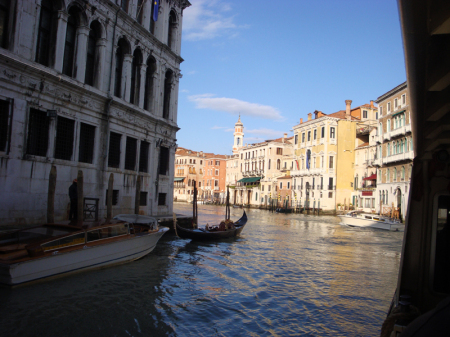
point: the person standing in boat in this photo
(73, 195)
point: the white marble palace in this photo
(88, 85)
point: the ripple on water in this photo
(287, 275)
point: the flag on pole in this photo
(155, 10)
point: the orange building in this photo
(284, 191)
(214, 174)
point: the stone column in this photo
(143, 70)
(81, 53)
(146, 12)
(126, 77)
(153, 104)
(101, 62)
(174, 98)
(60, 40)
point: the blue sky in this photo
(273, 62)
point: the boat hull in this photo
(88, 257)
(379, 224)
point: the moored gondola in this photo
(214, 233)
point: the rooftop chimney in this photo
(301, 120)
(309, 116)
(371, 103)
(285, 135)
(348, 103)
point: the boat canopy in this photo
(249, 180)
(372, 177)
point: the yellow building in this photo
(324, 158)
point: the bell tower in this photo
(238, 135)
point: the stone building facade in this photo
(324, 158)
(88, 85)
(189, 167)
(364, 196)
(214, 177)
(253, 169)
(395, 143)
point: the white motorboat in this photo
(55, 249)
(361, 219)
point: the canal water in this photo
(287, 275)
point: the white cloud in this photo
(184, 90)
(207, 19)
(235, 106)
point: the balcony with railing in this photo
(331, 187)
(399, 157)
(401, 131)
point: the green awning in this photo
(398, 112)
(178, 179)
(249, 180)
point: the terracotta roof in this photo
(341, 114)
(364, 144)
(285, 177)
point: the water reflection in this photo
(287, 274)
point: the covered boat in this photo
(361, 219)
(56, 249)
(213, 234)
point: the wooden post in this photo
(137, 199)
(174, 217)
(80, 198)
(51, 195)
(109, 197)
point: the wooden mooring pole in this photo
(109, 197)
(51, 195)
(137, 199)
(80, 207)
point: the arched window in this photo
(278, 164)
(395, 174)
(47, 33)
(356, 182)
(167, 93)
(388, 176)
(148, 95)
(92, 58)
(135, 77)
(71, 36)
(387, 201)
(399, 147)
(384, 201)
(268, 166)
(403, 173)
(388, 146)
(171, 36)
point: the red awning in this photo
(372, 177)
